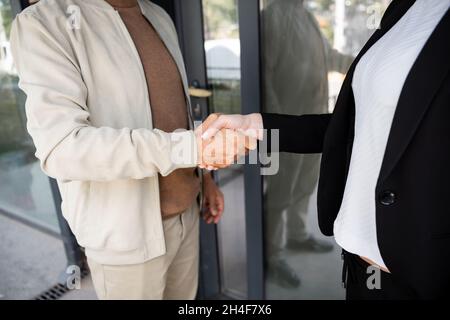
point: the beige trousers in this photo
(173, 276)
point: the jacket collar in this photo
(152, 13)
(418, 91)
(344, 111)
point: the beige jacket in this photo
(90, 118)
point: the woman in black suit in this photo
(392, 118)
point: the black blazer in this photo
(413, 190)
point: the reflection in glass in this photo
(302, 74)
(222, 48)
(24, 189)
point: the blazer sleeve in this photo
(297, 134)
(68, 145)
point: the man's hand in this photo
(213, 200)
(224, 145)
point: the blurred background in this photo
(284, 56)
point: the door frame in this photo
(188, 18)
(251, 92)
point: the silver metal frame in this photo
(189, 21)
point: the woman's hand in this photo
(250, 125)
(213, 200)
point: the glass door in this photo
(308, 46)
(222, 51)
(211, 41)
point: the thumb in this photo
(214, 127)
(206, 124)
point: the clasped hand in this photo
(222, 139)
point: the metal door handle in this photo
(199, 93)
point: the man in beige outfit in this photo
(106, 96)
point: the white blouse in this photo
(377, 83)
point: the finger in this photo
(213, 212)
(253, 133)
(212, 207)
(243, 145)
(220, 207)
(220, 151)
(207, 217)
(217, 218)
(207, 213)
(217, 208)
(233, 144)
(221, 202)
(251, 143)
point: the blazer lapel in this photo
(342, 125)
(421, 85)
(395, 12)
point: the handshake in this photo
(222, 139)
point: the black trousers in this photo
(363, 282)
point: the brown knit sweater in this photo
(167, 99)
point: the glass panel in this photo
(307, 48)
(24, 189)
(222, 48)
